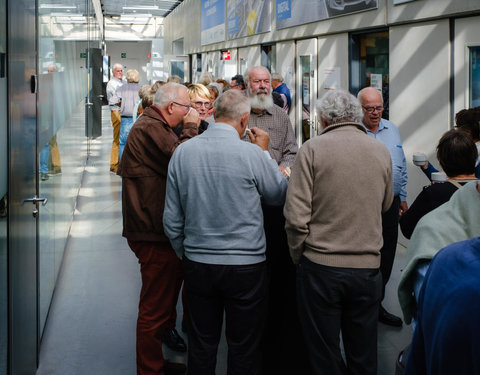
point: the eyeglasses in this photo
(373, 109)
(199, 105)
(183, 105)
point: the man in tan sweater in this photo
(340, 185)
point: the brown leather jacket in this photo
(143, 169)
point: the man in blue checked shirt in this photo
(387, 133)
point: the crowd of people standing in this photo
(294, 246)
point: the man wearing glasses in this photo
(143, 169)
(387, 133)
(115, 82)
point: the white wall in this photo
(428, 9)
(419, 91)
(137, 56)
(333, 52)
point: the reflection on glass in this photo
(243, 65)
(269, 57)
(474, 83)
(370, 64)
(62, 87)
(306, 89)
(3, 190)
(178, 68)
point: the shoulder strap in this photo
(455, 183)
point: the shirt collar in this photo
(265, 111)
(382, 125)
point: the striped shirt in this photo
(283, 145)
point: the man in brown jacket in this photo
(143, 168)
(340, 185)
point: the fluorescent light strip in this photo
(142, 7)
(57, 6)
(66, 15)
(135, 15)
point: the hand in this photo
(403, 208)
(285, 171)
(192, 116)
(259, 137)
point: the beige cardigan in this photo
(340, 185)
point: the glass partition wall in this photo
(3, 190)
(63, 42)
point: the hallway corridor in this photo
(91, 324)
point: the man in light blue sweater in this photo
(213, 217)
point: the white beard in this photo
(260, 101)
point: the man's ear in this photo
(244, 120)
(170, 108)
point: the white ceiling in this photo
(110, 8)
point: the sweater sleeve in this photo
(298, 205)
(429, 170)
(271, 183)
(173, 215)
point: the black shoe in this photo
(174, 341)
(44, 176)
(386, 318)
(174, 368)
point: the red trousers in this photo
(162, 278)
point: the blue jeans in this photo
(125, 126)
(44, 156)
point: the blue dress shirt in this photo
(388, 134)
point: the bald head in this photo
(372, 105)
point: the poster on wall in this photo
(213, 21)
(247, 17)
(298, 12)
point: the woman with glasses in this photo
(200, 99)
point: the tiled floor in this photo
(91, 323)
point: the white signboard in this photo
(331, 78)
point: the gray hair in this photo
(206, 78)
(231, 105)
(246, 76)
(277, 77)
(174, 78)
(167, 93)
(117, 64)
(339, 106)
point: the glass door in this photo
(307, 126)
(23, 204)
(3, 190)
(474, 77)
(369, 64)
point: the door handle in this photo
(36, 199)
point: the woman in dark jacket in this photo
(457, 155)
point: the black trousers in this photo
(240, 291)
(390, 238)
(284, 349)
(331, 300)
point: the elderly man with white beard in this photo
(270, 118)
(283, 338)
